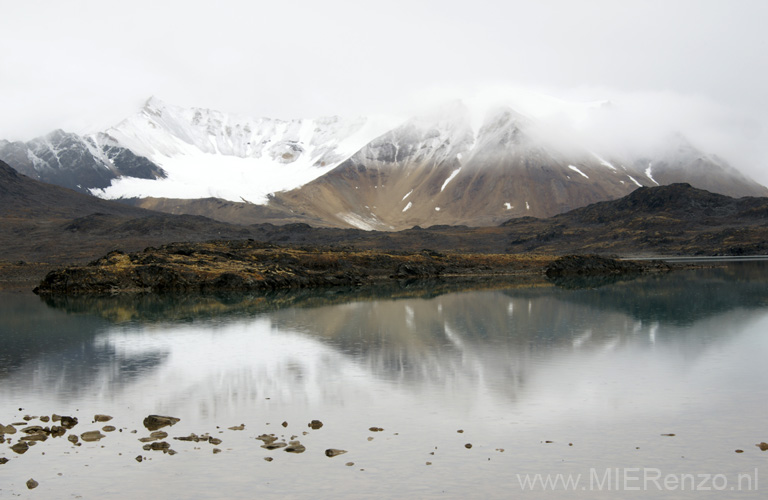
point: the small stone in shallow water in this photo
(739, 451)
(154, 436)
(267, 438)
(284, 424)
(32, 484)
(45, 418)
(349, 464)
(668, 435)
(3, 460)
(333, 452)
(109, 428)
(56, 418)
(58, 431)
(73, 438)
(268, 459)
(468, 445)
(370, 438)
(274, 445)
(315, 424)
(763, 446)
(429, 463)
(35, 437)
(91, 436)
(21, 447)
(216, 450)
(155, 422)
(68, 422)
(139, 458)
(214, 441)
(295, 447)
(102, 418)
(7, 429)
(237, 427)
(460, 431)
(375, 429)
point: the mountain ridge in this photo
(453, 166)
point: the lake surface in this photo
(643, 388)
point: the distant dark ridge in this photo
(681, 200)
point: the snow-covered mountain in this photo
(75, 162)
(458, 164)
(208, 153)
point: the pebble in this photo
(102, 418)
(315, 424)
(32, 484)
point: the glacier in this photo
(207, 153)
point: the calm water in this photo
(564, 382)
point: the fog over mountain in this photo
(460, 162)
(689, 66)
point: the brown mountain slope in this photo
(46, 223)
(438, 171)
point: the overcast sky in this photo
(83, 65)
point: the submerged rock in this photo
(155, 422)
(237, 427)
(295, 447)
(73, 438)
(155, 436)
(91, 436)
(21, 447)
(32, 484)
(274, 445)
(267, 438)
(3, 460)
(763, 446)
(101, 418)
(334, 452)
(7, 429)
(315, 424)
(68, 422)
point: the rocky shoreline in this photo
(248, 265)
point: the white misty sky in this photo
(693, 65)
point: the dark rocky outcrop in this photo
(595, 265)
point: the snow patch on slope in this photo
(603, 161)
(649, 175)
(578, 171)
(450, 178)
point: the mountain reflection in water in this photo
(529, 369)
(284, 342)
